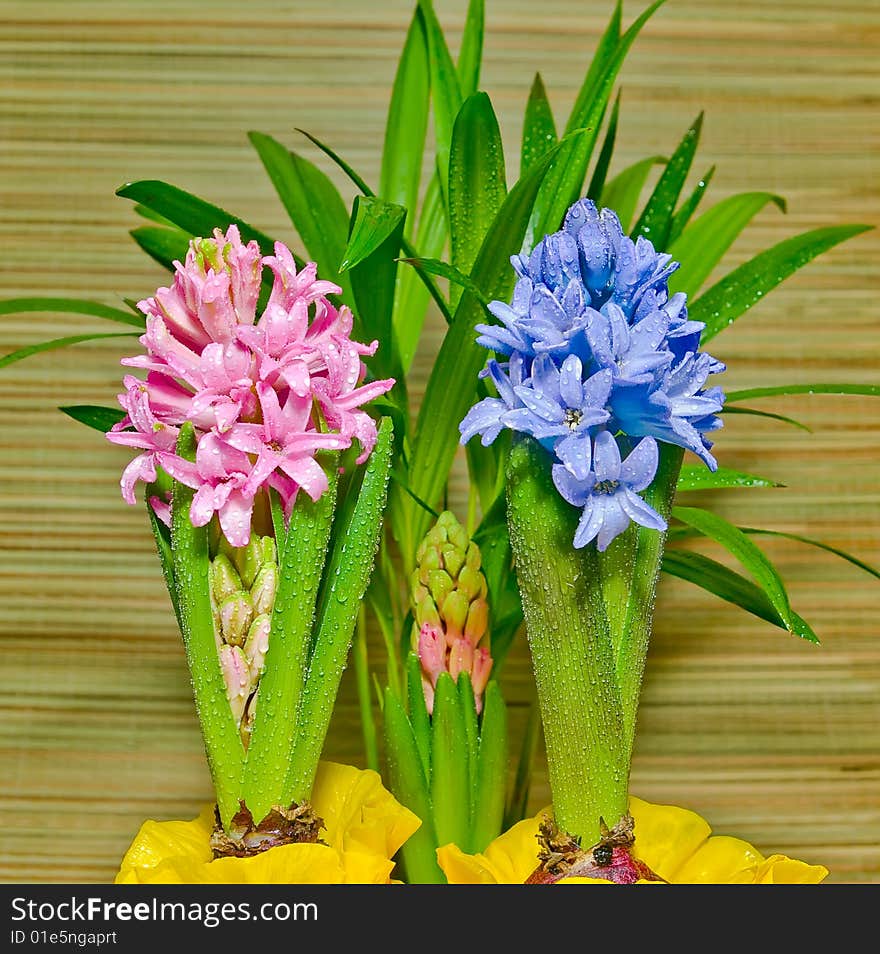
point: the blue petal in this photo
(597, 389)
(591, 521)
(525, 421)
(606, 457)
(640, 467)
(572, 490)
(570, 388)
(536, 402)
(575, 451)
(483, 418)
(615, 521)
(640, 511)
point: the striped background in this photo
(770, 738)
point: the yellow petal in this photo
(157, 841)
(778, 869)
(461, 868)
(359, 812)
(666, 835)
(721, 860)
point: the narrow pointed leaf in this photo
(445, 91)
(723, 582)
(564, 184)
(145, 212)
(71, 306)
(600, 173)
(740, 546)
(347, 576)
(867, 390)
(374, 220)
(418, 712)
(100, 418)
(477, 184)
(313, 203)
(165, 246)
(191, 560)
(622, 193)
(300, 566)
(698, 477)
(190, 213)
(734, 409)
(491, 781)
(539, 129)
(518, 804)
(55, 343)
(470, 56)
(411, 789)
(407, 124)
(468, 707)
(702, 245)
(450, 791)
(343, 165)
(689, 207)
(655, 221)
(444, 270)
(745, 286)
(605, 51)
(816, 543)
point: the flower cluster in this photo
(263, 394)
(598, 358)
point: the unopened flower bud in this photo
(461, 658)
(237, 679)
(264, 589)
(256, 646)
(247, 561)
(236, 613)
(224, 578)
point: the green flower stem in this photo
(642, 568)
(346, 579)
(281, 685)
(191, 565)
(571, 649)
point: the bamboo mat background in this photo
(770, 738)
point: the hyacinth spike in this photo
(256, 646)
(264, 589)
(236, 614)
(225, 580)
(236, 675)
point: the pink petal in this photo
(235, 518)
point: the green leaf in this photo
(445, 91)
(418, 712)
(58, 343)
(723, 582)
(775, 417)
(655, 221)
(739, 545)
(470, 56)
(452, 384)
(410, 787)
(190, 213)
(468, 708)
(162, 538)
(491, 781)
(192, 564)
(72, 306)
(597, 182)
(518, 804)
(343, 165)
(868, 390)
(300, 566)
(407, 124)
(539, 129)
(697, 477)
(444, 270)
(738, 291)
(605, 51)
(564, 183)
(100, 418)
(371, 260)
(147, 213)
(165, 246)
(477, 185)
(345, 582)
(816, 543)
(313, 203)
(373, 222)
(701, 246)
(689, 206)
(450, 791)
(622, 193)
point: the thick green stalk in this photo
(642, 568)
(281, 685)
(356, 541)
(191, 566)
(571, 649)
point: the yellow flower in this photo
(365, 826)
(675, 843)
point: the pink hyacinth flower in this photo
(436, 657)
(264, 393)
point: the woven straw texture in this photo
(769, 738)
